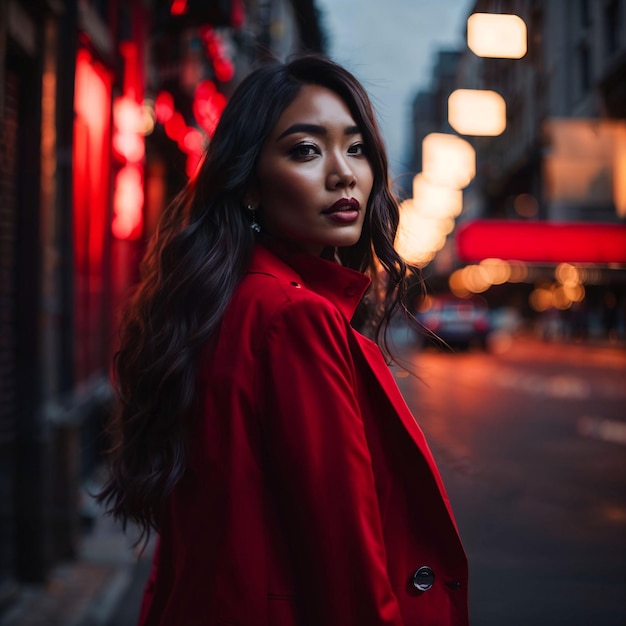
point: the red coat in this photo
(311, 496)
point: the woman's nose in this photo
(340, 174)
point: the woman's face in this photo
(314, 177)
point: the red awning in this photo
(541, 242)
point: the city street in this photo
(531, 441)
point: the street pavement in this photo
(102, 587)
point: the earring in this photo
(254, 225)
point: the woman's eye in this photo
(304, 150)
(358, 149)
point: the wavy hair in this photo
(198, 256)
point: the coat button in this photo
(293, 283)
(423, 578)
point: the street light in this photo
(436, 201)
(448, 160)
(477, 112)
(501, 36)
(419, 237)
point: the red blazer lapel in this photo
(375, 360)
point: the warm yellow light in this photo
(448, 160)
(477, 112)
(497, 270)
(457, 284)
(436, 201)
(619, 172)
(418, 237)
(567, 274)
(501, 36)
(540, 299)
(476, 278)
(148, 118)
(519, 272)
(576, 293)
(561, 299)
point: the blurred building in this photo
(565, 97)
(430, 107)
(562, 155)
(86, 170)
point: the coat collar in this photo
(342, 286)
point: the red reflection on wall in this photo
(91, 195)
(542, 242)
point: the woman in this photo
(260, 434)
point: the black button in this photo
(453, 584)
(423, 578)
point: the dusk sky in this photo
(390, 45)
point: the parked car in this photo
(458, 322)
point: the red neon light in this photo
(163, 107)
(128, 143)
(128, 146)
(127, 203)
(91, 197)
(133, 72)
(192, 140)
(222, 66)
(542, 242)
(208, 104)
(126, 115)
(224, 70)
(178, 7)
(237, 14)
(92, 101)
(175, 126)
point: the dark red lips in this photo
(344, 204)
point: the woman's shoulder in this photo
(271, 310)
(273, 294)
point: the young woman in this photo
(260, 435)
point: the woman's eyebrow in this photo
(314, 129)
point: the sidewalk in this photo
(102, 587)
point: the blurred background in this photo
(506, 127)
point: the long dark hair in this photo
(197, 258)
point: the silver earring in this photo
(254, 225)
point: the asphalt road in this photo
(531, 441)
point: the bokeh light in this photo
(448, 160)
(477, 112)
(497, 35)
(526, 205)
